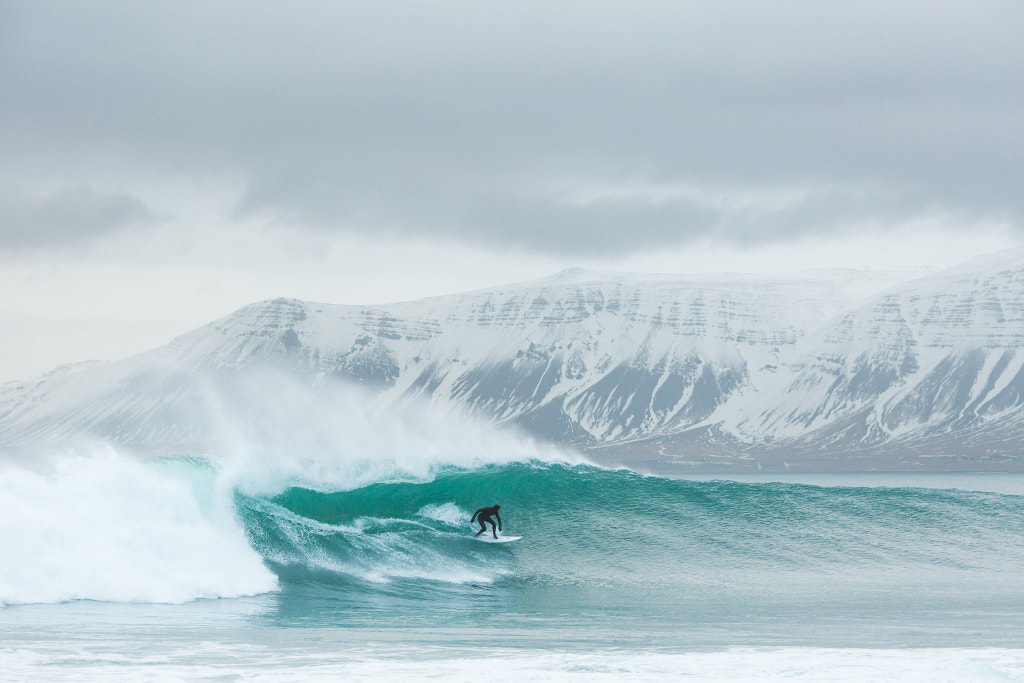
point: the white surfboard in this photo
(500, 539)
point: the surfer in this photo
(483, 515)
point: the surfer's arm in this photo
(499, 520)
(473, 518)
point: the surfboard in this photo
(500, 539)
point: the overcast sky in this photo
(164, 163)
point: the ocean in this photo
(192, 568)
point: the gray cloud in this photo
(65, 218)
(636, 222)
(487, 122)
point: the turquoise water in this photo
(761, 559)
(617, 572)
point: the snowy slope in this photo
(582, 356)
(932, 361)
(658, 366)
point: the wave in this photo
(589, 526)
(86, 521)
(102, 526)
(107, 527)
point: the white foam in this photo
(736, 664)
(103, 526)
(260, 662)
(448, 513)
(379, 556)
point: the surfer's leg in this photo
(483, 527)
(494, 529)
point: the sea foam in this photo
(104, 526)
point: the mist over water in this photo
(269, 430)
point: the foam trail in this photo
(370, 548)
(449, 513)
(104, 526)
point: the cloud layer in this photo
(67, 217)
(558, 128)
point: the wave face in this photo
(171, 534)
(594, 528)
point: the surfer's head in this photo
(497, 507)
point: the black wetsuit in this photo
(483, 515)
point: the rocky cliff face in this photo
(736, 370)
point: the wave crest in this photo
(102, 526)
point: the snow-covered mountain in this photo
(835, 367)
(931, 367)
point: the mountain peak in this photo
(575, 274)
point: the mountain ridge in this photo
(725, 370)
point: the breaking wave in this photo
(107, 527)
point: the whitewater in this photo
(330, 538)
